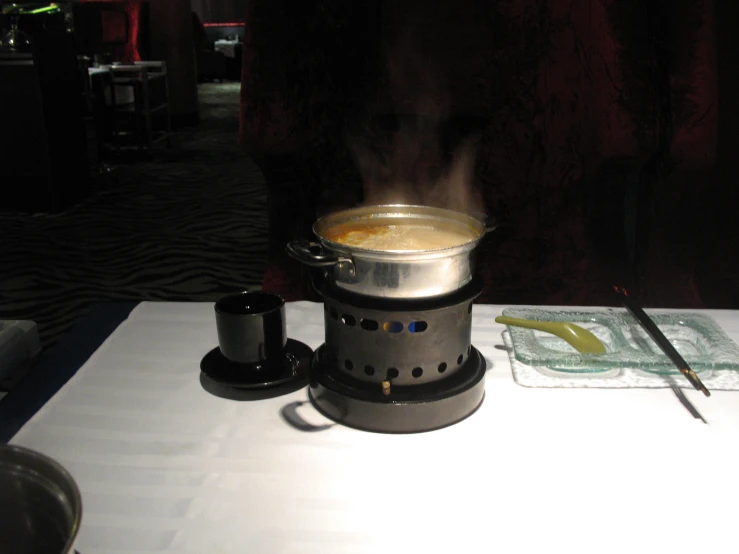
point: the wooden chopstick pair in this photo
(658, 336)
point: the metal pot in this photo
(391, 273)
(41, 506)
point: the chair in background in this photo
(139, 104)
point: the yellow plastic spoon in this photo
(581, 339)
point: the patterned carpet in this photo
(188, 224)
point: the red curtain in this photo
(120, 28)
(594, 109)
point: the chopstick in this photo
(653, 331)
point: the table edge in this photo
(58, 364)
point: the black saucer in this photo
(293, 366)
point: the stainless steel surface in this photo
(395, 274)
(41, 507)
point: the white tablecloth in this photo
(164, 466)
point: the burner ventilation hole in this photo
(348, 320)
(417, 372)
(369, 370)
(369, 324)
(348, 365)
(392, 373)
(442, 367)
(417, 326)
(460, 359)
(333, 313)
(392, 326)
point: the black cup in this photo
(251, 329)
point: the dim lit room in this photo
(296, 276)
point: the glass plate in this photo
(697, 337)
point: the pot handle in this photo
(491, 223)
(302, 251)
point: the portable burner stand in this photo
(397, 365)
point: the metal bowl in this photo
(41, 506)
(395, 273)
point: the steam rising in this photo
(411, 174)
(411, 166)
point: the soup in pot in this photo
(398, 236)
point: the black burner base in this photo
(409, 409)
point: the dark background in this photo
(220, 11)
